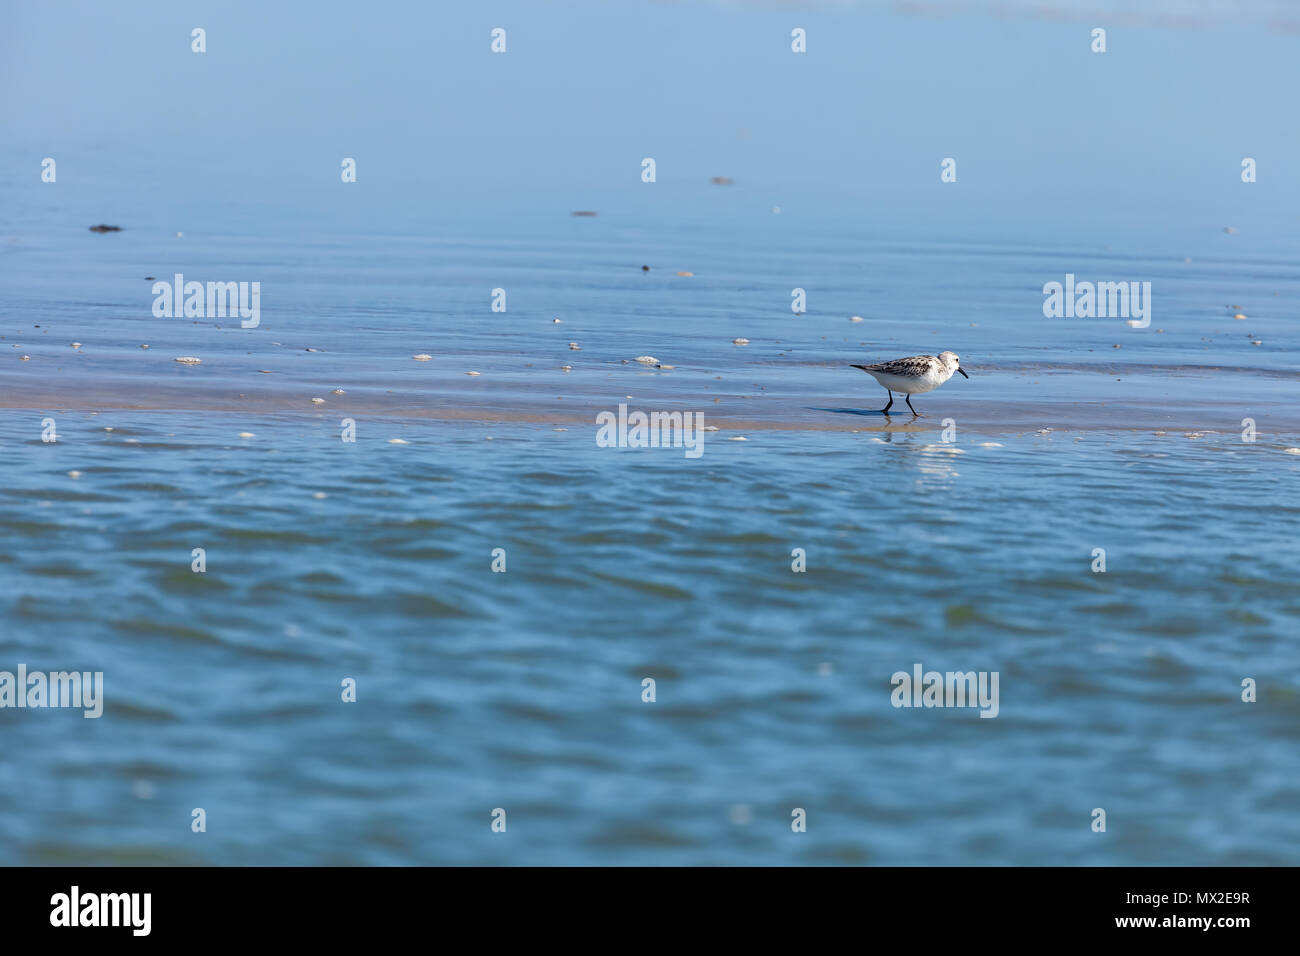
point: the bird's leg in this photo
(891, 402)
(908, 399)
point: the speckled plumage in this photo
(914, 366)
(914, 375)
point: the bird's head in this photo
(952, 363)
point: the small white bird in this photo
(914, 375)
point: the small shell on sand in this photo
(398, 441)
(311, 350)
(737, 438)
(318, 495)
(709, 428)
(686, 273)
(245, 434)
(556, 321)
(76, 345)
(1134, 323)
(1292, 451)
(1239, 316)
(566, 368)
(667, 366)
(318, 401)
(647, 360)
(473, 373)
(1256, 342)
(26, 358)
(740, 341)
(422, 357)
(144, 346)
(189, 360)
(74, 475)
(855, 318)
(990, 444)
(338, 391)
(575, 346)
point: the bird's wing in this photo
(912, 365)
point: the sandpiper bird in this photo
(914, 375)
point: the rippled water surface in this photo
(522, 690)
(501, 588)
(962, 541)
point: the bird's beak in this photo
(963, 373)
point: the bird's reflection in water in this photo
(937, 462)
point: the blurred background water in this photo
(522, 690)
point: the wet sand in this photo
(1180, 400)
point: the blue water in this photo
(962, 540)
(522, 690)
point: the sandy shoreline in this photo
(764, 412)
(763, 395)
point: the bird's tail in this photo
(863, 367)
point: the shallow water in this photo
(351, 311)
(522, 689)
(964, 540)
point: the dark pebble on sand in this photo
(103, 228)
(645, 268)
